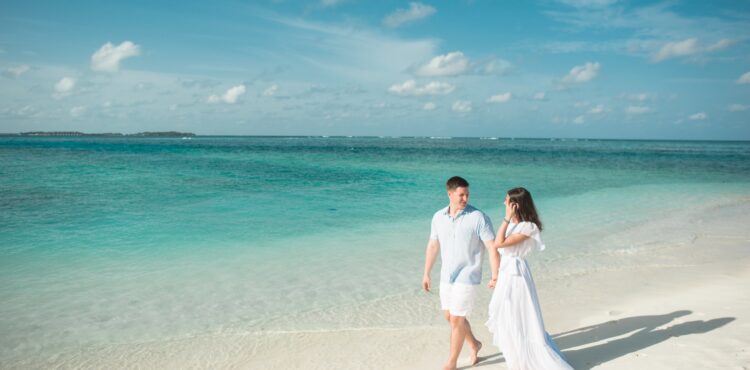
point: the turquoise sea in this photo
(123, 240)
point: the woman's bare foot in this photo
(474, 357)
(449, 367)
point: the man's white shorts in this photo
(458, 299)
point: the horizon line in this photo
(432, 137)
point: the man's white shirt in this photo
(461, 244)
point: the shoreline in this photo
(682, 311)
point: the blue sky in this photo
(555, 68)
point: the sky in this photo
(615, 69)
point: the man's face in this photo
(459, 197)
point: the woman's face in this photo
(507, 198)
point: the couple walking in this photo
(460, 233)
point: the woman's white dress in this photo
(515, 319)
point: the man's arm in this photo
(494, 261)
(433, 247)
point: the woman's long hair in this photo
(526, 210)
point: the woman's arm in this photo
(500, 240)
(510, 241)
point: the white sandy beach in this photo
(259, 185)
(684, 307)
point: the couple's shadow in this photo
(643, 332)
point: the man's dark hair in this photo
(456, 182)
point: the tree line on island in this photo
(76, 133)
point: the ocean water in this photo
(126, 240)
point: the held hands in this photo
(492, 283)
(426, 283)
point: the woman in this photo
(515, 319)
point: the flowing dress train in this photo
(515, 319)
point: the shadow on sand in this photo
(642, 332)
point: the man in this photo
(460, 233)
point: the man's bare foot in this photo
(473, 358)
(449, 367)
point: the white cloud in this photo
(271, 90)
(77, 111)
(108, 57)
(581, 104)
(65, 84)
(233, 93)
(17, 71)
(495, 66)
(700, 116)
(738, 107)
(721, 44)
(410, 87)
(597, 109)
(639, 97)
(429, 106)
(651, 26)
(451, 64)
(415, 12)
(230, 96)
(462, 106)
(349, 52)
(456, 64)
(539, 96)
(500, 98)
(64, 87)
(744, 79)
(23, 112)
(688, 47)
(438, 88)
(579, 120)
(583, 73)
(637, 109)
(677, 49)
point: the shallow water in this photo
(113, 240)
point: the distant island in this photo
(76, 133)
